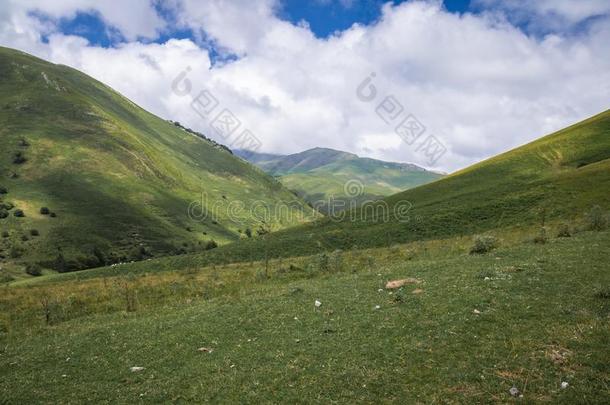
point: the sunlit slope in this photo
(556, 178)
(333, 180)
(118, 178)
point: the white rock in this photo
(380, 290)
(136, 369)
(476, 311)
(564, 385)
(514, 391)
(317, 304)
(377, 306)
(487, 278)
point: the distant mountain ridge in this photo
(320, 175)
(311, 159)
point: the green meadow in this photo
(504, 266)
(525, 315)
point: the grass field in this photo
(525, 315)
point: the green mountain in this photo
(87, 176)
(559, 177)
(333, 180)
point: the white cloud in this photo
(133, 18)
(478, 83)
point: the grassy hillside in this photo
(323, 176)
(529, 316)
(116, 179)
(557, 178)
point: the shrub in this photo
(483, 244)
(3, 213)
(248, 232)
(19, 213)
(7, 206)
(3, 190)
(19, 158)
(399, 296)
(211, 245)
(563, 231)
(45, 211)
(24, 238)
(5, 234)
(24, 143)
(596, 220)
(52, 215)
(33, 269)
(16, 251)
(34, 232)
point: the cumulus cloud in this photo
(477, 82)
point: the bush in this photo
(45, 211)
(3, 190)
(399, 296)
(563, 231)
(483, 244)
(33, 269)
(24, 238)
(3, 213)
(211, 245)
(16, 252)
(34, 232)
(52, 215)
(7, 206)
(248, 232)
(596, 219)
(19, 158)
(5, 234)
(19, 213)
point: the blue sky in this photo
(324, 17)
